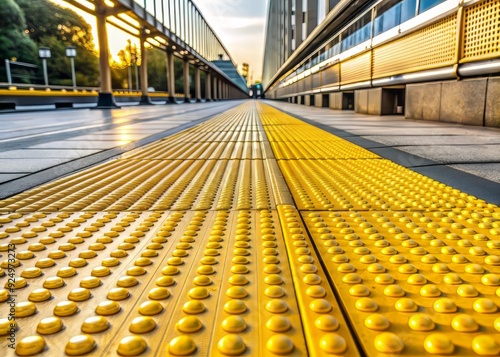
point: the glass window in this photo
(333, 3)
(393, 13)
(408, 10)
(358, 32)
(427, 4)
(331, 49)
(315, 59)
(321, 10)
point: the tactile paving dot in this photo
(412, 300)
(186, 171)
(327, 330)
(325, 172)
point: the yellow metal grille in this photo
(482, 30)
(429, 47)
(356, 69)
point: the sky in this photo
(240, 25)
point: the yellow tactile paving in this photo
(170, 174)
(370, 185)
(419, 282)
(414, 262)
(192, 246)
(324, 326)
(325, 172)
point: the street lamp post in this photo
(44, 54)
(71, 53)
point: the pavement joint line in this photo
(464, 181)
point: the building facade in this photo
(429, 59)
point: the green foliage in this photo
(157, 69)
(14, 43)
(179, 75)
(44, 18)
(55, 27)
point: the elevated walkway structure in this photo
(253, 233)
(432, 59)
(176, 27)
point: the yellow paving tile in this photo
(325, 172)
(325, 329)
(416, 282)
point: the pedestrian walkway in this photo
(451, 153)
(37, 147)
(253, 233)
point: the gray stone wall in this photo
(470, 101)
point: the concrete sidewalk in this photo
(36, 147)
(455, 154)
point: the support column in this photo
(208, 87)
(170, 77)
(197, 84)
(187, 93)
(144, 70)
(219, 90)
(105, 99)
(215, 95)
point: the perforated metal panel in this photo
(331, 75)
(356, 69)
(432, 46)
(482, 31)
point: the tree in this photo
(56, 27)
(14, 42)
(157, 69)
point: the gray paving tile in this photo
(45, 154)
(27, 165)
(409, 140)
(82, 144)
(117, 136)
(451, 154)
(8, 177)
(488, 171)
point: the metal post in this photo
(73, 74)
(208, 85)
(45, 74)
(144, 70)
(197, 83)
(129, 78)
(215, 95)
(106, 99)
(170, 77)
(187, 94)
(136, 76)
(7, 68)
